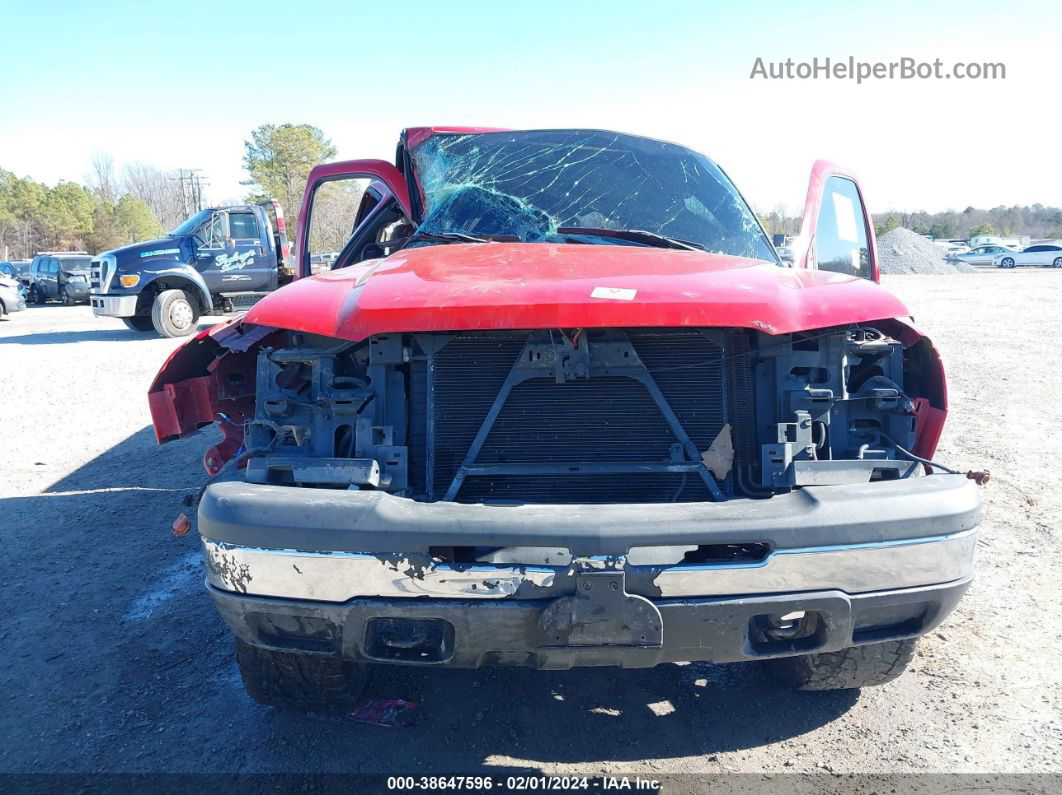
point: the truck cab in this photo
(219, 260)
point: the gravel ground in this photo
(114, 658)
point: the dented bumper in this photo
(298, 568)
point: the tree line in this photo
(1035, 221)
(110, 212)
(138, 203)
(141, 201)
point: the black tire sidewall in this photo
(145, 323)
(299, 680)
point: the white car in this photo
(1044, 255)
(985, 255)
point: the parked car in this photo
(1044, 254)
(952, 246)
(1017, 243)
(17, 270)
(12, 296)
(61, 276)
(984, 255)
(219, 260)
(565, 422)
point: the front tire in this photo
(64, 296)
(138, 323)
(857, 666)
(1058, 262)
(174, 313)
(298, 679)
(1006, 262)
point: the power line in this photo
(190, 185)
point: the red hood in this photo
(521, 285)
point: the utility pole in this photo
(190, 185)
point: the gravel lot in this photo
(114, 658)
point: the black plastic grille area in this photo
(608, 420)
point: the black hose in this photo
(917, 458)
(228, 466)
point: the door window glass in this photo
(333, 218)
(243, 226)
(841, 243)
(212, 233)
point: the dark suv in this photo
(59, 275)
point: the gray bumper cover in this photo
(288, 517)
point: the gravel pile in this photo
(904, 251)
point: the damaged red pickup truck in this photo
(559, 403)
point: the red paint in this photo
(929, 424)
(821, 171)
(181, 407)
(524, 285)
(527, 286)
(415, 136)
(347, 169)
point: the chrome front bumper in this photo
(113, 305)
(341, 576)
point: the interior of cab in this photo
(379, 228)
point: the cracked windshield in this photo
(583, 186)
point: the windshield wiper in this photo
(442, 237)
(633, 235)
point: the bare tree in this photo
(157, 190)
(103, 179)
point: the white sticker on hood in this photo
(615, 293)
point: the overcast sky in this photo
(182, 84)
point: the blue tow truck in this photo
(222, 259)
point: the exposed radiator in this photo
(605, 419)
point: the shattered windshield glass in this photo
(532, 184)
